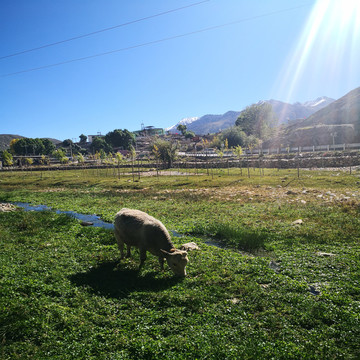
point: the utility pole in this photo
(333, 134)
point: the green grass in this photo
(65, 294)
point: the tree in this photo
(81, 159)
(132, 155)
(29, 161)
(76, 149)
(238, 152)
(102, 155)
(234, 135)
(7, 158)
(182, 128)
(119, 159)
(29, 146)
(216, 142)
(189, 134)
(257, 120)
(60, 155)
(25, 146)
(44, 160)
(205, 143)
(100, 144)
(67, 143)
(49, 147)
(252, 141)
(120, 139)
(21, 146)
(83, 139)
(12, 145)
(166, 151)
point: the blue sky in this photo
(289, 51)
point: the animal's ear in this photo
(184, 255)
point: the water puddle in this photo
(176, 234)
(94, 220)
(90, 220)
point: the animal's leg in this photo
(142, 257)
(161, 261)
(128, 252)
(120, 242)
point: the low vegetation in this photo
(264, 285)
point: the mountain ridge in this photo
(339, 122)
(286, 112)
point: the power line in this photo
(155, 41)
(102, 30)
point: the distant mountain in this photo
(288, 112)
(319, 103)
(185, 121)
(54, 141)
(208, 124)
(339, 122)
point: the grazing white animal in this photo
(137, 228)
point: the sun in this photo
(349, 9)
(343, 15)
(327, 50)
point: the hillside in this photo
(208, 124)
(345, 110)
(54, 141)
(288, 112)
(338, 122)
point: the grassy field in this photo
(272, 289)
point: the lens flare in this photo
(327, 51)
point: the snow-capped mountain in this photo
(339, 121)
(285, 112)
(319, 103)
(185, 121)
(208, 123)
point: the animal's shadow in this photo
(110, 280)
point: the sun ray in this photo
(329, 38)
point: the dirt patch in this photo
(269, 193)
(165, 173)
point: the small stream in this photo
(90, 220)
(87, 220)
(94, 220)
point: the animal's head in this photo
(177, 261)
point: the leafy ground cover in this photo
(275, 289)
